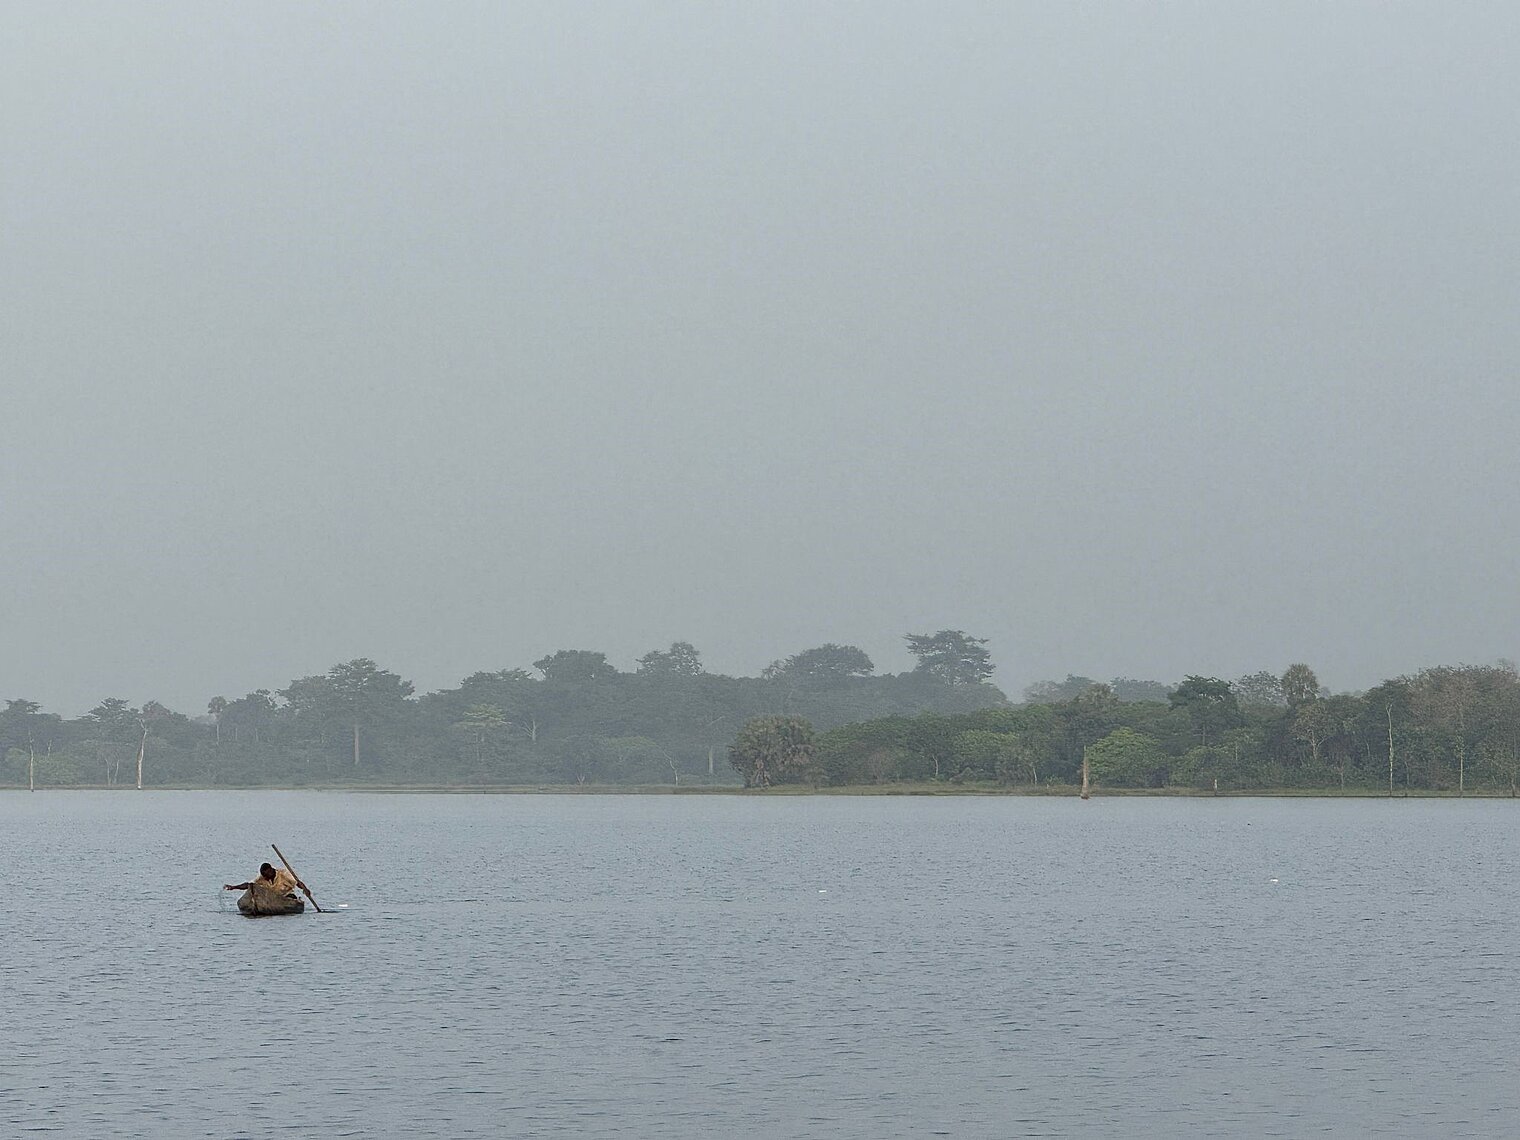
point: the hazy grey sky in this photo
(1142, 339)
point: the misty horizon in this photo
(1140, 341)
(195, 707)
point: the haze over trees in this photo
(574, 719)
(354, 697)
(826, 663)
(680, 660)
(821, 716)
(951, 656)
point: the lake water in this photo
(642, 966)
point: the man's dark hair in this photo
(265, 867)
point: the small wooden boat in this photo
(258, 903)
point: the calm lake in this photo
(649, 966)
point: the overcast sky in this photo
(1142, 339)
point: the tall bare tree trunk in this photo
(1390, 750)
(1085, 791)
(31, 766)
(142, 747)
(356, 744)
(1461, 756)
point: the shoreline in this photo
(791, 790)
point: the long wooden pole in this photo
(297, 878)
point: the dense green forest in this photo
(574, 720)
(1445, 729)
(822, 717)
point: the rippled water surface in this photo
(642, 966)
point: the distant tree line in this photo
(822, 716)
(576, 719)
(1444, 729)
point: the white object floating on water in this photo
(1271, 880)
(821, 891)
(344, 906)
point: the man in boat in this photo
(275, 886)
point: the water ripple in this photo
(661, 967)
